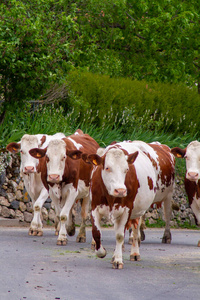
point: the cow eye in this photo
(108, 169)
(64, 157)
(126, 170)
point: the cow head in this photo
(28, 163)
(115, 165)
(192, 156)
(55, 154)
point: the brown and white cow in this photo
(67, 178)
(192, 177)
(127, 179)
(31, 175)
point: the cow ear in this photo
(132, 157)
(100, 151)
(85, 158)
(95, 159)
(74, 154)
(178, 152)
(13, 147)
(38, 153)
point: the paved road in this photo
(34, 268)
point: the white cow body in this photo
(124, 187)
(66, 177)
(64, 199)
(31, 176)
(192, 176)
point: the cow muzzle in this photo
(193, 176)
(54, 178)
(29, 169)
(120, 193)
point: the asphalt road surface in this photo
(35, 268)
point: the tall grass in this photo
(121, 126)
(50, 119)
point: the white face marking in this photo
(56, 136)
(114, 171)
(77, 145)
(29, 142)
(28, 163)
(56, 157)
(193, 161)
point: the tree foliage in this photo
(36, 47)
(40, 40)
(153, 40)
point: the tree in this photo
(152, 40)
(36, 48)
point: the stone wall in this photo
(15, 202)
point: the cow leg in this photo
(71, 224)
(65, 215)
(167, 213)
(36, 224)
(135, 251)
(142, 234)
(96, 233)
(57, 212)
(195, 208)
(81, 238)
(119, 226)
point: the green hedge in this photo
(153, 106)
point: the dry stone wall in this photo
(15, 202)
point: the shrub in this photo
(155, 106)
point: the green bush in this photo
(159, 107)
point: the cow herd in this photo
(120, 181)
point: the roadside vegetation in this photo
(119, 70)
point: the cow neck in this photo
(31, 182)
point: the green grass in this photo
(159, 224)
(50, 119)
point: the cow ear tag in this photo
(15, 149)
(178, 155)
(38, 155)
(94, 161)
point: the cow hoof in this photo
(198, 245)
(71, 231)
(167, 237)
(57, 232)
(101, 253)
(40, 233)
(117, 265)
(93, 245)
(35, 232)
(81, 239)
(135, 257)
(166, 240)
(61, 243)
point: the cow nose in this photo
(193, 175)
(29, 169)
(53, 177)
(120, 193)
